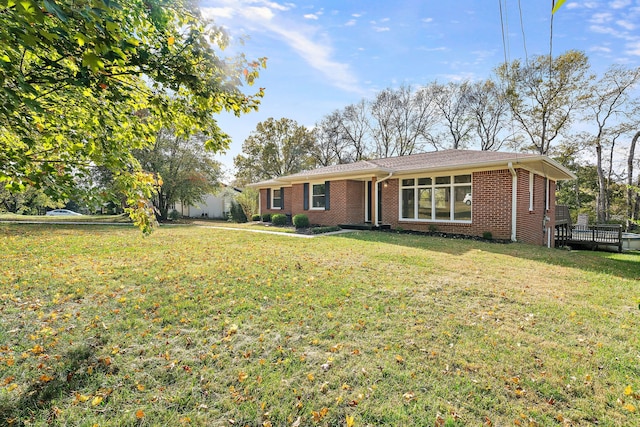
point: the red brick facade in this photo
(531, 226)
(491, 210)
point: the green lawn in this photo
(199, 326)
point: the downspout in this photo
(514, 201)
(377, 195)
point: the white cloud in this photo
(585, 5)
(602, 29)
(482, 55)
(603, 49)
(350, 23)
(619, 4)
(626, 24)
(217, 12)
(311, 16)
(601, 18)
(427, 20)
(459, 77)
(259, 13)
(381, 29)
(633, 48)
(263, 16)
(434, 49)
(274, 5)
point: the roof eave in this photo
(361, 173)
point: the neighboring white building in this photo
(213, 206)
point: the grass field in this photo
(197, 326)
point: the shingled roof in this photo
(435, 161)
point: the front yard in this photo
(191, 325)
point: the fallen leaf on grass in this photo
(319, 415)
(350, 421)
(139, 414)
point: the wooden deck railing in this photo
(591, 235)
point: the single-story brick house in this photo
(510, 195)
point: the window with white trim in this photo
(439, 198)
(531, 190)
(276, 198)
(318, 199)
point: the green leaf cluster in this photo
(86, 82)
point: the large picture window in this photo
(439, 198)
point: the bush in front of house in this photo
(236, 214)
(301, 221)
(279, 219)
(328, 229)
(255, 217)
(266, 217)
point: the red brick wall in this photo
(530, 222)
(346, 205)
(491, 210)
(288, 202)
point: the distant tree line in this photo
(553, 106)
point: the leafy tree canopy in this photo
(188, 170)
(276, 148)
(84, 82)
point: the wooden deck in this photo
(605, 236)
(593, 236)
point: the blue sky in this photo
(325, 55)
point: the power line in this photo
(553, 5)
(504, 40)
(524, 40)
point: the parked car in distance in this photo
(467, 199)
(61, 212)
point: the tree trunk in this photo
(632, 203)
(601, 205)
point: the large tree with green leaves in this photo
(188, 171)
(275, 148)
(545, 94)
(29, 201)
(84, 82)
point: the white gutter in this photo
(514, 201)
(375, 201)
